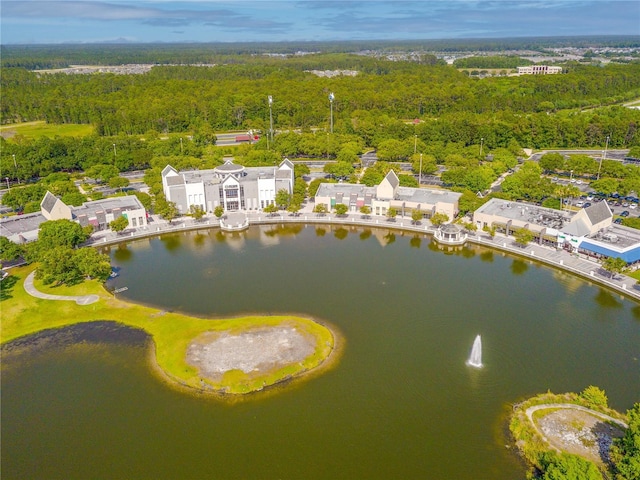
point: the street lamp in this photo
(16, 166)
(415, 144)
(603, 157)
(331, 98)
(7, 179)
(181, 149)
(481, 144)
(114, 151)
(420, 173)
(270, 120)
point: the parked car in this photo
(618, 221)
(625, 213)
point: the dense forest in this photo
(536, 111)
(58, 56)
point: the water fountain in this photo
(475, 359)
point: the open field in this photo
(172, 332)
(39, 129)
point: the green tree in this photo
(58, 266)
(565, 466)
(614, 265)
(271, 209)
(119, 224)
(197, 212)
(167, 210)
(118, 182)
(294, 208)
(60, 233)
(416, 216)
(625, 452)
(439, 218)
(552, 162)
(594, 396)
(218, 211)
(341, 209)
(490, 229)
(523, 236)
(365, 210)
(92, 264)
(283, 198)
(320, 209)
(392, 213)
(9, 250)
(606, 186)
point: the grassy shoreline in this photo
(171, 332)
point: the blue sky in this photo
(60, 21)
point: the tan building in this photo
(389, 194)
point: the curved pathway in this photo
(79, 299)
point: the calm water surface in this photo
(401, 403)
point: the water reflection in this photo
(487, 256)
(365, 234)
(122, 253)
(605, 298)
(341, 233)
(415, 242)
(320, 232)
(172, 242)
(519, 267)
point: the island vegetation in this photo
(591, 442)
(172, 333)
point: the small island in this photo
(577, 436)
(224, 357)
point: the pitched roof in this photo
(48, 202)
(392, 178)
(598, 212)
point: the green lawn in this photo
(42, 129)
(171, 332)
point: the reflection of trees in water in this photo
(122, 254)
(220, 236)
(604, 298)
(390, 238)
(487, 256)
(518, 267)
(199, 240)
(320, 232)
(366, 234)
(293, 229)
(341, 233)
(636, 312)
(415, 242)
(171, 242)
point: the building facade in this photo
(231, 186)
(539, 70)
(389, 194)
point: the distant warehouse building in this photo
(539, 70)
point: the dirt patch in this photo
(579, 432)
(255, 351)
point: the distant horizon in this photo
(541, 39)
(77, 22)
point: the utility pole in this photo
(270, 121)
(331, 98)
(420, 173)
(603, 157)
(481, 144)
(114, 151)
(415, 144)
(181, 150)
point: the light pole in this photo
(7, 179)
(481, 144)
(415, 144)
(15, 164)
(570, 176)
(270, 120)
(181, 150)
(331, 97)
(420, 173)
(603, 157)
(114, 151)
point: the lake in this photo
(401, 403)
